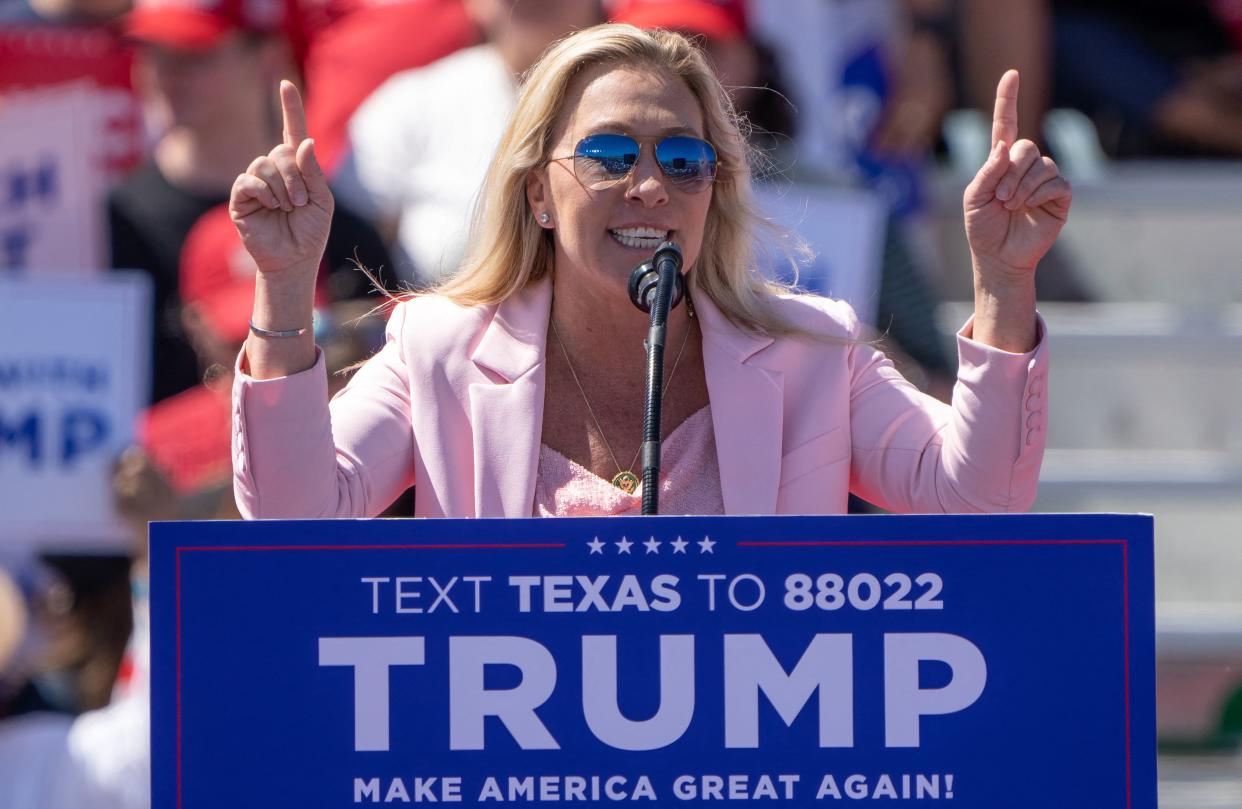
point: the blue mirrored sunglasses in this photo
(603, 160)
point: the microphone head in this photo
(646, 276)
(643, 284)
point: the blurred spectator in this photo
(50, 759)
(984, 39)
(71, 627)
(207, 75)
(993, 37)
(1229, 12)
(906, 302)
(13, 618)
(1158, 76)
(919, 81)
(181, 467)
(745, 64)
(61, 12)
(872, 81)
(59, 746)
(351, 47)
(187, 436)
(420, 145)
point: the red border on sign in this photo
(1125, 589)
(488, 546)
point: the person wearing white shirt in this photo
(420, 144)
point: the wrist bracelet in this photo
(271, 333)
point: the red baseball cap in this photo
(716, 19)
(188, 438)
(200, 24)
(217, 275)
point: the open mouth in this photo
(640, 238)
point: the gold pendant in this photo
(626, 481)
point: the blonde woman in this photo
(515, 389)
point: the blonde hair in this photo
(509, 250)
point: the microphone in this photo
(645, 278)
(655, 287)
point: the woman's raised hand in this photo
(282, 206)
(1018, 202)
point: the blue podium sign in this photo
(998, 661)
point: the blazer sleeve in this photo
(295, 456)
(982, 453)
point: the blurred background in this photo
(124, 291)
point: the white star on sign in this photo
(624, 545)
(705, 545)
(596, 546)
(679, 545)
(652, 545)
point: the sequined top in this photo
(689, 479)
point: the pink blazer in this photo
(453, 404)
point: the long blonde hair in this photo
(508, 250)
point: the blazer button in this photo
(1032, 421)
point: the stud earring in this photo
(544, 218)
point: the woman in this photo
(515, 388)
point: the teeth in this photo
(640, 237)
(641, 233)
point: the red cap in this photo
(715, 19)
(217, 275)
(200, 24)
(188, 437)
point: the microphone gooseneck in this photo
(655, 287)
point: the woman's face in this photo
(601, 236)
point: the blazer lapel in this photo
(747, 403)
(506, 410)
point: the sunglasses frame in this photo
(682, 185)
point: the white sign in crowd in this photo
(52, 178)
(73, 377)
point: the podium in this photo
(964, 661)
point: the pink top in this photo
(689, 479)
(453, 405)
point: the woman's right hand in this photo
(282, 206)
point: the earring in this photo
(544, 218)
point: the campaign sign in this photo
(74, 365)
(72, 127)
(1002, 661)
(52, 180)
(844, 229)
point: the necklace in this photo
(625, 479)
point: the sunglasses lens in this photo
(601, 160)
(688, 162)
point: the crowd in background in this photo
(406, 100)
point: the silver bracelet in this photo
(271, 333)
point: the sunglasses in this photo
(601, 161)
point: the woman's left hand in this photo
(1018, 202)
